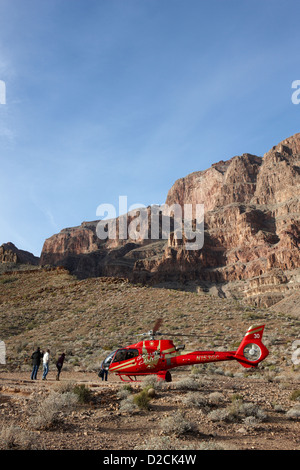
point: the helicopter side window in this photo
(131, 353)
(124, 354)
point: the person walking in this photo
(46, 358)
(59, 365)
(36, 361)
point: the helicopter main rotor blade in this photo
(174, 334)
(182, 334)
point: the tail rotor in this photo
(251, 350)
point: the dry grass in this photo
(15, 438)
(238, 411)
(177, 424)
(294, 413)
(47, 413)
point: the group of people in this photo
(39, 356)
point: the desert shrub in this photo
(142, 400)
(216, 398)
(197, 370)
(295, 396)
(187, 384)
(83, 393)
(278, 408)
(198, 400)
(160, 443)
(64, 387)
(228, 373)
(238, 411)
(128, 406)
(251, 422)
(296, 377)
(177, 424)
(270, 375)
(250, 409)
(220, 414)
(124, 392)
(46, 414)
(236, 396)
(219, 371)
(210, 446)
(15, 438)
(194, 399)
(173, 443)
(294, 413)
(213, 369)
(151, 381)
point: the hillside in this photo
(88, 318)
(51, 308)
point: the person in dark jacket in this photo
(103, 372)
(36, 361)
(59, 365)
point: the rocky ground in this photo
(174, 420)
(222, 406)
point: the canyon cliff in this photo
(251, 233)
(9, 253)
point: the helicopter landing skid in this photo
(130, 378)
(162, 375)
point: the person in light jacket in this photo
(46, 358)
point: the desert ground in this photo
(108, 420)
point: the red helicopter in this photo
(155, 356)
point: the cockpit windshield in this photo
(108, 359)
(119, 355)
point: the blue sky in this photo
(122, 97)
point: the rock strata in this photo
(9, 253)
(252, 232)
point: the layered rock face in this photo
(252, 232)
(9, 253)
